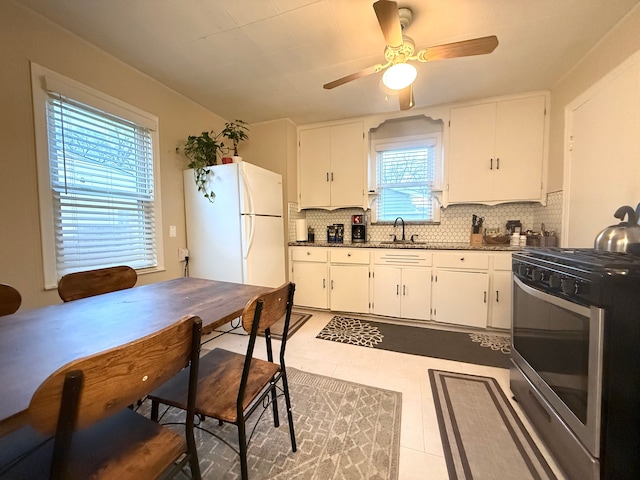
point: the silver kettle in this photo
(624, 237)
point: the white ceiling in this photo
(260, 60)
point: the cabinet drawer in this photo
(411, 257)
(462, 259)
(309, 255)
(502, 262)
(345, 255)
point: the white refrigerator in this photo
(239, 236)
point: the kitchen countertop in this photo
(424, 246)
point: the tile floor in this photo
(421, 454)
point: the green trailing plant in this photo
(203, 150)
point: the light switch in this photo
(172, 230)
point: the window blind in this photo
(101, 171)
(405, 179)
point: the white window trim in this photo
(410, 141)
(42, 80)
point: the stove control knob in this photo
(569, 287)
(554, 281)
(537, 275)
(522, 270)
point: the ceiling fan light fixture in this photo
(399, 76)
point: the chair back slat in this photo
(116, 378)
(74, 286)
(275, 305)
(10, 299)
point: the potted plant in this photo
(236, 131)
(203, 150)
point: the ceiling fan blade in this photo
(466, 48)
(405, 97)
(389, 20)
(353, 76)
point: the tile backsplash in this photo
(454, 226)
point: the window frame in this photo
(44, 80)
(399, 143)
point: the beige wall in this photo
(618, 45)
(272, 145)
(26, 37)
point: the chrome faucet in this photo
(395, 224)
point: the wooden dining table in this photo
(35, 343)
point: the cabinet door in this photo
(315, 167)
(350, 288)
(311, 284)
(519, 149)
(460, 297)
(501, 300)
(347, 165)
(471, 149)
(386, 291)
(416, 293)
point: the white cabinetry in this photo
(310, 273)
(402, 283)
(496, 151)
(460, 288)
(349, 284)
(331, 167)
(500, 299)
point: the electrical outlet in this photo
(182, 254)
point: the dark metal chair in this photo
(74, 286)
(81, 426)
(10, 299)
(232, 386)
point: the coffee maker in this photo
(358, 229)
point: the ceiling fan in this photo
(400, 50)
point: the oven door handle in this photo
(557, 301)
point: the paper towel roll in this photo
(301, 230)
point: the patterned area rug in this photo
(343, 430)
(481, 433)
(479, 348)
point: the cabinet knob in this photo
(308, 253)
(348, 254)
(462, 259)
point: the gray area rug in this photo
(481, 433)
(480, 348)
(343, 430)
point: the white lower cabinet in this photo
(310, 273)
(461, 287)
(460, 291)
(500, 299)
(402, 292)
(349, 280)
(349, 288)
(460, 297)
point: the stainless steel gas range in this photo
(576, 357)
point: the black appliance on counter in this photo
(576, 357)
(358, 229)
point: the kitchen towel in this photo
(301, 230)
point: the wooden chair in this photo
(74, 286)
(10, 300)
(86, 428)
(232, 386)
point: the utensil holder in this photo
(475, 239)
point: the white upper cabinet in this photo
(497, 151)
(331, 166)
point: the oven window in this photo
(555, 343)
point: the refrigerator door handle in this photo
(252, 229)
(247, 189)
